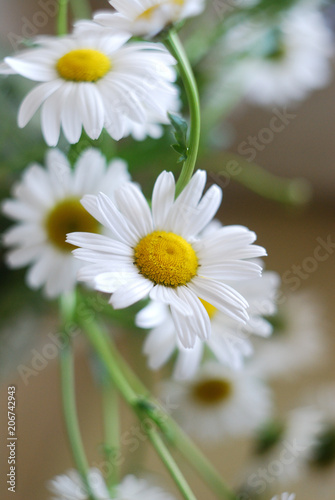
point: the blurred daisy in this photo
(156, 253)
(284, 496)
(285, 61)
(95, 82)
(297, 342)
(46, 206)
(229, 340)
(147, 17)
(70, 487)
(218, 402)
(288, 445)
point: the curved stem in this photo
(175, 47)
(98, 339)
(62, 17)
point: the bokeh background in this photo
(304, 149)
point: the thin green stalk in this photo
(97, 337)
(175, 47)
(111, 433)
(80, 9)
(70, 413)
(176, 436)
(62, 17)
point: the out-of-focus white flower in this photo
(298, 341)
(70, 487)
(46, 206)
(145, 17)
(284, 496)
(282, 62)
(96, 82)
(158, 253)
(229, 340)
(218, 402)
(286, 459)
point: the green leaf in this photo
(180, 133)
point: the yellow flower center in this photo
(212, 391)
(68, 216)
(211, 310)
(166, 259)
(83, 65)
(147, 14)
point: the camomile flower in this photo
(95, 82)
(283, 61)
(158, 253)
(46, 206)
(218, 402)
(147, 17)
(70, 487)
(229, 340)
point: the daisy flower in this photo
(46, 206)
(157, 253)
(95, 82)
(218, 402)
(70, 487)
(147, 17)
(297, 343)
(229, 340)
(286, 60)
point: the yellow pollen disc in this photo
(212, 391)
(166, 259)
(83, 65)
(147, 14)
(68, 216)
(211, 310)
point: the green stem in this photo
(112, 434)
(179, 438)
(175, 47)
(97, 337)
(70, 414)
(80, 9)
(62, 17)
(67, 309)
(113, 361)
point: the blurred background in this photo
(290, 223)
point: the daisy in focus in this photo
(285, 61)
(70, 487)
(147, 17)
(219, 402)
(158, 253)
(46, 206)
(95, 82)
(229, 341)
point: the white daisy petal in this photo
(34, 99)
(130, 293)
(169, 296)
(162, 198)
(134, 206)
